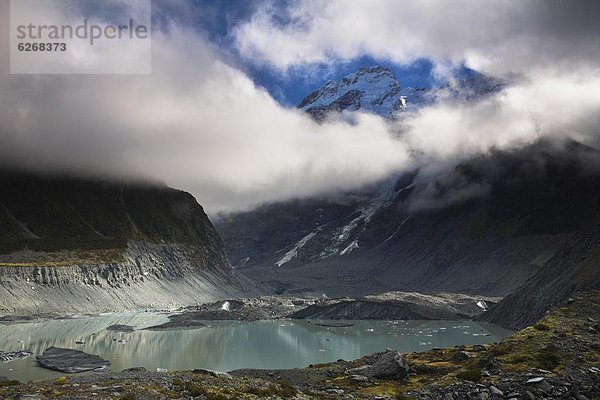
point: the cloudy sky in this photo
(216, 116)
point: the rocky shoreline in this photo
(558, 358)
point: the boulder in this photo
(489, 363)
(461, 356)
(359, 378)
(495, 391)
(389, 365)
(210, 372)
(70, 361)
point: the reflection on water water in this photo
(227, 345)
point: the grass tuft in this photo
(471, 374)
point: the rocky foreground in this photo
(558, 358)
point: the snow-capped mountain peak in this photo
(371, 89)
(376, 90)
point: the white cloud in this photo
(203, 126)
(196, 123)
(553, 106)
(546, 49)
(500, 37)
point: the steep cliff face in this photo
(49, 213)
(148, 276)
(75, 245)
(485, 227)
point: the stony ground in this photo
(558, 358)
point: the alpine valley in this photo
(303, 298)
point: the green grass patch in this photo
(284, 390)
(548, 358)
(9, 383)
(542, 327)
(471, 374)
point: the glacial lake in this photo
(228, 345)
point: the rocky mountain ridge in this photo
(376, 90)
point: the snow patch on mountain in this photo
(397, 229)
(349, 248)
(293, 253)
(340, 237)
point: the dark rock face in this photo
(70, 361)
(43, 213)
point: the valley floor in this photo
(558, 358)
(385, 306)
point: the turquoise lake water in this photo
(228, 345)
